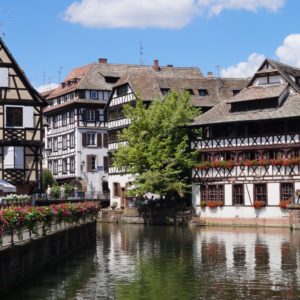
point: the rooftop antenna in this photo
(141, 53)
(59, 73)
(218, 70)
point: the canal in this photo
(143, 262)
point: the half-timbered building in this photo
(76, 136)
(21, 126)
(148, 83)
(249, 167)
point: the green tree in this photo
(157, 152)
(47, 179)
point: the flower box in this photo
(213, 204)
(284, 203)
(259, 204)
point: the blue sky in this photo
(51, 35)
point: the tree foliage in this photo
(157, 152)
(47, 179)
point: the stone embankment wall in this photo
(20, 262)
(163, 216)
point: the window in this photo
(55, 144)
(101, 115)
(72, 140)
(72, 116)
(91, 139)
(190, 91)
(90, 115)
(14, 116)
(293, 153)
(64, 142)
(260, 192)
(203, 92)
(237, 194)
(165, 91)
(116, 189)
(55, 167)
(55, 121)
(286, 191)
(122, 90)
(50, 165)
(235, 92)
(104, 95)
(64, 165)
(91, 163)
(3, 77)
(13, 157)
(212, 193)
(49, 143)
(64, 119)
(72, 164)
(94, 94)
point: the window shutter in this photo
(83, 139)
(105, 163)
(99, 140)
(88, 163)
(19, 157)
(97, 115)
(9, 157)
(105, 142)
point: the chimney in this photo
(156, 65)
(102, 60)
(210, 74)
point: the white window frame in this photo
(90, 115)
(91, 139)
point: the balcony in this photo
(220, 143)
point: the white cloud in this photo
(215, 7)
(47, 87)
(289, 52)
(131, 13)
(245, 68)
(155, 13)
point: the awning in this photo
(6, 187)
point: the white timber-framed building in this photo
(76, 138)
(21, 126)
(150, 82)
(249, 170)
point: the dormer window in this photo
(190, 91)
(235, 92)
(203, 92)
(165, 91)
(122, 90)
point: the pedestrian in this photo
(48, 192)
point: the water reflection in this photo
(140, 262)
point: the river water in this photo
(143, 262)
